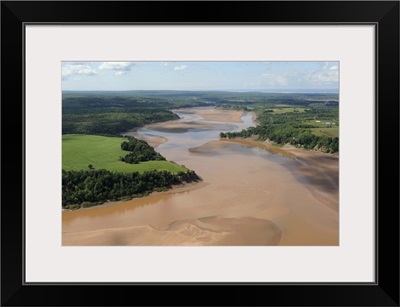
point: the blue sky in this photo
(236, 76)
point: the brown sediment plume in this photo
(193, 232)
(317, 170)
(245, 199)
(321, 170)
(264, 145)
(153, 141)
(243, 191)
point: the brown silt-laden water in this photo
(249, 194)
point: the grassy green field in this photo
(332, 132)
(80, 150)
(287, 109)
(321, 128)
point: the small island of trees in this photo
(140, 151)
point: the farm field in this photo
(80, 150)
(331, 132)
(321, 128)
(197, 153)
(285, 109)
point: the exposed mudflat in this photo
(252, 194)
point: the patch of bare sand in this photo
(178, 127)
(182, 188)
(190, 232)
(229, 116)
(181, 127)
(153, 141)
(173, 126)
(251, 193)
(319, 171)
(260, 200)
(214, 146)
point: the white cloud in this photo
(323, 65)
(333, 68)
(77, 70)
(181, 68)
(323, 76)
(120, 68)
(273, 80)
(267, 80)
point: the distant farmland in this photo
(321, 128)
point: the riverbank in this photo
(185, 187)
(153, 141)
(190, 232)
(211, 118)
(248, 197)
(317, 170)
(224, 116)
(321, 173)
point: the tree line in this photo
(140, 151)
(289, 128)
(87, 188)
(110, 122)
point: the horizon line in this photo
(217, 90)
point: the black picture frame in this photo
(383, 14)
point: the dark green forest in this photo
(282, 118)
(293, 128)
(86, 188)
(112, 113)
(139, 151)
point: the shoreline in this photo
(185, 187)
(207, 113)
(260, 144)
(219, 231)
(223, 116)
(318, 171)
(321, 170)
(152, 141)
(304, 155)
(286, 200)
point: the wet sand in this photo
(221, 115)
(191, 232)
(153, 141)
(250, 196)
(214, 146)
(319, 170)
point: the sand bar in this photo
(231, 116)
(287, 198)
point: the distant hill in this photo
(332, 103)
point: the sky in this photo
(232, 76)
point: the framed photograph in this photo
(248, 147)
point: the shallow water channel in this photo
(248, 196)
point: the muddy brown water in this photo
(249, 196)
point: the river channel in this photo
(249, 196)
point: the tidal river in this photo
(249, 195)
